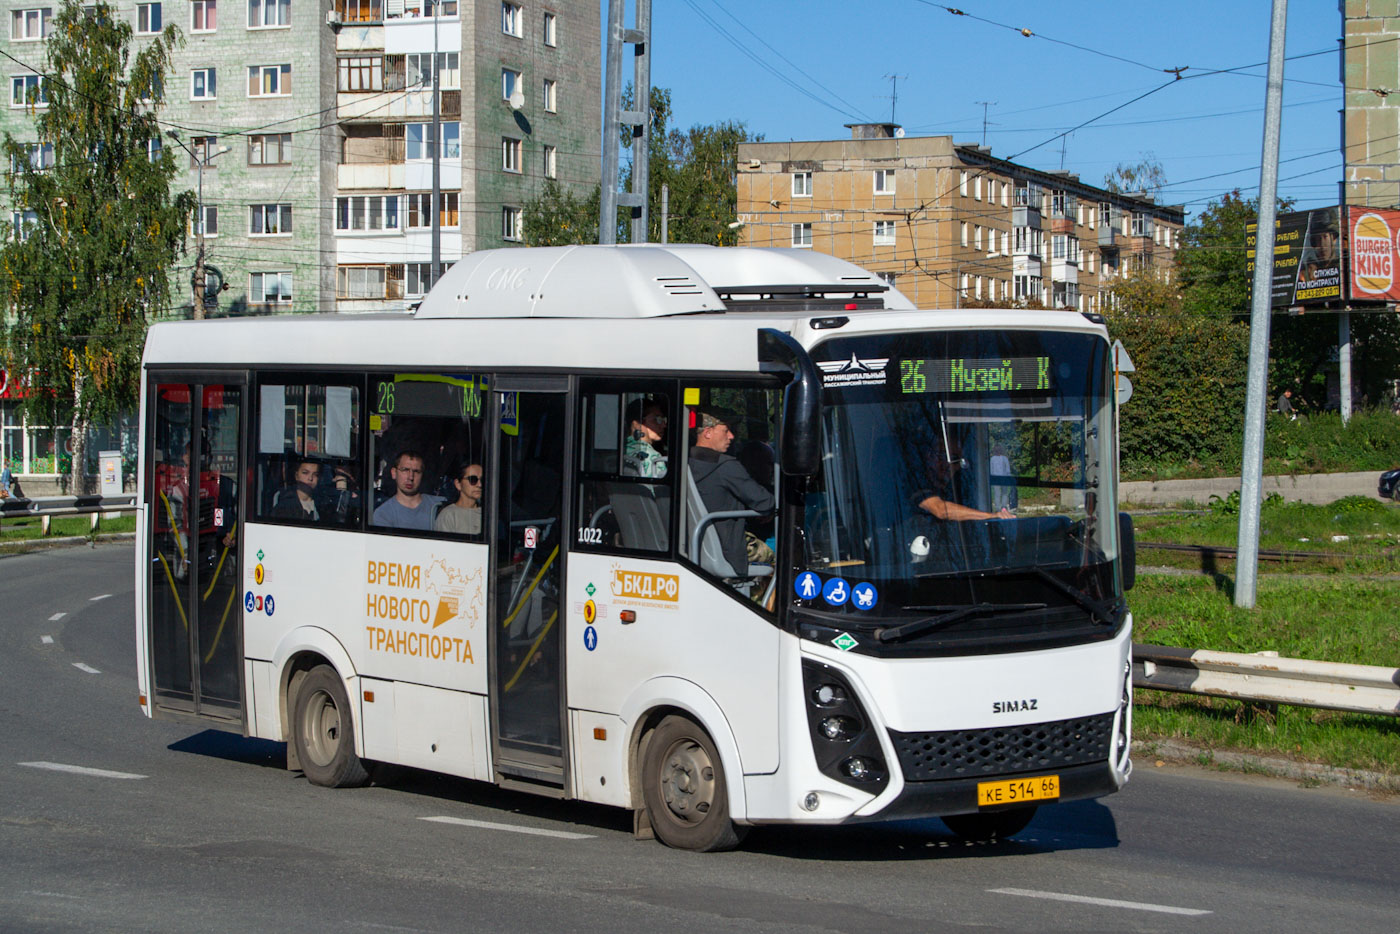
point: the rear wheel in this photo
(992, 825)
(684, 789)
(324, 731)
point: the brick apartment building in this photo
(947, 224)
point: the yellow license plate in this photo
(1017, 790)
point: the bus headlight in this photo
(844, 741)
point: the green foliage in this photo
(558, 217)
(1212, 264)
(1189, 387)
(1322, 444)
(104, 229)
(1146, 176)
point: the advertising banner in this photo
(1307, 257)
(1372, 254)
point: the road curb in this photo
(25, 545)
(1175, 750)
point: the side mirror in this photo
(1127, 550)
(799, 441)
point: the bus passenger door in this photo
(527, 580)
(194, 615)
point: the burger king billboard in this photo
(1373, 254)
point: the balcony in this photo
(1025, 216)
(393, 104)
(1109, 237)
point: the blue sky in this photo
(827, 62)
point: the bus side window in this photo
(625, 486)
(731, 467)
(307, 457)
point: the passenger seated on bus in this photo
(940, 499)
(409, 507)
(298, 501)
(342, 500)
(725, 485)
(463, 517)
(646, 427)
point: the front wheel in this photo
(993, 825)
(324, 731)
(684, 789)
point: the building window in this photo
(963, 231)
(203, 15)
(203, 149)
(512, 223)
(270, 288)
(367, 212)
(360, 282)
(1028, 195)
(884, 233)
(418, 279)
(153, 149)
(30, 25)
(270, 149)
(416, 141)
(549, 96)
(39, 156)
(419, 69)
(265, 13)
(1062, 204)
(270, 220)
(27, 89)
(360, 74)
(802, 184)
(1064, 295)
(510, 154)
(512, 20)
(203, 86)
(1027, 288)
(551, 168)
(359, 11)
(1059, 247)
(269, 80)
(147, 18)
(802, 235)
(884, 181)
(420, 209)
(1142, 224)
(22, 223)
(977, 188)
(962, 184)
(211, 221)
(511, 85)
(551, 23)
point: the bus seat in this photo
(706, 551)
(641, 516)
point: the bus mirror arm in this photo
(799, 441)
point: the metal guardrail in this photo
(46, 507)
(1267, 678)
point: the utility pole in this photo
(197, 279)
(665, 210)
(985, 105)
(615, 118)
(435, 270)
(1252, 469)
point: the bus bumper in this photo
(959, 796)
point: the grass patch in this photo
(1342, 619)
(28, 528)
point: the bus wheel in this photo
(325, 733)
(684, 789)
(995, 825)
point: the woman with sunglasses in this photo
(463, 517)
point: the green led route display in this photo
(966, 375)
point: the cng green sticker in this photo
(845, 642)
(591, 589)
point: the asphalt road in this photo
(191, 830)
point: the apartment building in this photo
(311, 126)
(951, 225)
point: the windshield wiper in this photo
(919, 626)
(1095, 607)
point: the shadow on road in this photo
(217, 744)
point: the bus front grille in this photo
(1003, 750)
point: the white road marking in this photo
(88, 668)
(101, 596)
(79, 770)
(1105, 902)
(47, 640)
(487, 825)
(56, 617)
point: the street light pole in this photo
(197, 281)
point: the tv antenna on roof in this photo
(985, 105)
(894, 92)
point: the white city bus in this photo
(735, 537)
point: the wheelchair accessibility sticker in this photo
(836, 592)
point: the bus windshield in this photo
(954, 462)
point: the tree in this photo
(1145, 176)
(1213, 262)
(101, 228)
(558, 217)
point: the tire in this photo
(993, 825)
(684, 789)
(324, 732)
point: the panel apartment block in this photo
(1371, 117)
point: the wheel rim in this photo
(687, 782)
(321, 728)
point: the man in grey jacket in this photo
(725, 485)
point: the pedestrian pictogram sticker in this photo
(590, 638)
(590, 612)
(808, 585)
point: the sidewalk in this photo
(1319, 488)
